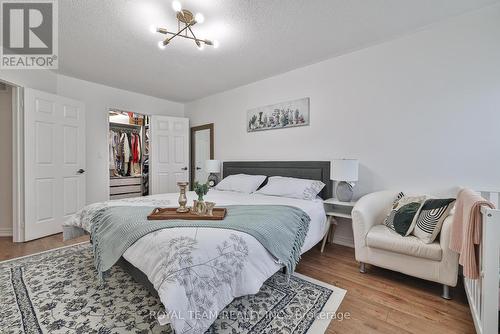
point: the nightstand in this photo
(335, 209)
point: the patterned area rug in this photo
(58, 292)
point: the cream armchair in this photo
(375, 244)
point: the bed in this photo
(196, 272)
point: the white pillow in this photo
(292, 187)
(242, 183)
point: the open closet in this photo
(129, 140)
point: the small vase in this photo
(210, 208)
(200, 208)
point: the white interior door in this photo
(201, 154)
(54, 160)
(169, 154)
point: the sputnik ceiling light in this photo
(185, 21)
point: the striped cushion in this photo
(389, 220)
(431, 217)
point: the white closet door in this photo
(169, 154)
(54, 159)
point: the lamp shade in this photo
(212, 166)
(344, 170)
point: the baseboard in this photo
(5, 232)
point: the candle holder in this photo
(182, 197)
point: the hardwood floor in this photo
(380, 301)
(383, 301)
(10, 250)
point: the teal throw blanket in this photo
(280, 229)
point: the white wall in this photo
(419, 112)
(6, 162)
(37, 79)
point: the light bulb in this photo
(161, 46)
(176, 5)
(199, 18)
(216, 44)
(201, 47)
(153, 29)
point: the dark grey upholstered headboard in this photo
(312, 170)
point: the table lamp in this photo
(345, 171)
(212, 167)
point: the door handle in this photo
(198, 168)
(80, 171)
(184, 168)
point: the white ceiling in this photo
(109, 42)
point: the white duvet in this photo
(199, 271)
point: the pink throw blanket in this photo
(466, 230)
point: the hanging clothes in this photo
(125, 152)
(113, 145)
(119, 153)
(125, 146)
(139, 149)
(136, 150)
(112, 164)
(145, 161)
(136, 167)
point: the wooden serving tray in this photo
(171, 213)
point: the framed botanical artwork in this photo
(279, 116)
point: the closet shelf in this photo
(125, 177)
(118, 125)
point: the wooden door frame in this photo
(209, 126)
(17, 162)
